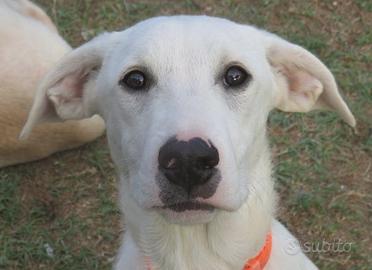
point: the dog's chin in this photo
(187, 214)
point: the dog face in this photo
(180, 128)
(185, 100)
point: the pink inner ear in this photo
(72, 85)
(304, 84)
(301, 90)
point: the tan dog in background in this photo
(29, 47)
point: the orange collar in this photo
(259, 262)
(256, 263)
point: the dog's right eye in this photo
(236, 76)
(135, 80)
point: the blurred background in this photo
(61, 212)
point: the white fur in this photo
(186, 56)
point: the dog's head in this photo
(185, 100)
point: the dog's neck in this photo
(225, 243)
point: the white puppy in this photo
(185, 100)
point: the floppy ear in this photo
(68, 90)
(304, 82)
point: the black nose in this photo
(188, 163)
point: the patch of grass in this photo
(61, 213)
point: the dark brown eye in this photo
(236, 76)
(135, 80)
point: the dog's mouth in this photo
(189, 206)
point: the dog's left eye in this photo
(135, 80)
(236, 76)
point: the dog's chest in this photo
(192, 249)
